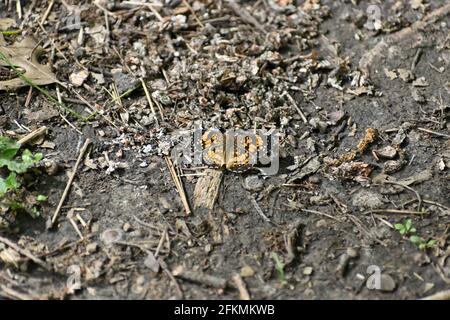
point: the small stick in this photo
(172, 278)
(58, 94)
(47, 12)
(416, 59)
(14, 294)
(442, 295)
(245, 15)
(302, 115)
(25, 253)
(321, 214)
(77, 230)
(178, 185)
(193, 13)
(149, 99)
(240, 284)
(161, 241)
(199, 277)
(419, 198)
(29, 96)
(428, 202)
(32, 135)
(19, 9)
(434, 132)
(69, 183)
(396, 211)
(259, 210)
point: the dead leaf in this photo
(6, 24)
(10, 256)
(25, 55)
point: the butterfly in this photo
(230, 151)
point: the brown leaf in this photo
(25, 55)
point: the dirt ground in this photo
(372, 81)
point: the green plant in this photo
(405, 228)
(12, 165)
(11, 32)
(41, 198)
(422, 243)
(279, 266)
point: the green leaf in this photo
(416, 239)
(408, 224)
(398, 226)
(34, 212)
(8, 149)
(431, 243)
(9, 183)
(16, 206)
(41, 198)
(17, 167)
(29, 159)
(3, 187)
(279, 266)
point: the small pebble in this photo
(92, 247)
(387, 283)
(126, 227)
(247, 271)
(308, 271)
(352, 252)
(110, 236)
(387, 152)
(253, 183)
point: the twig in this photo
(47, 12)
(69, 183)
(442, 295)
(58, 95)
(14, 294)
(149, 99)
(178, 185)
(161, 241)
(420, 213)
(19, 9)
(199, 277)
(77, 230)
(258, 209)
(416, 59)
(419, 198)
(29, 96)
(193, 13)
(25, 253)
(302, 115)
(32, 135)
(240, 284)
(321, 214)
(434, 132)
(172, 278)
(245, 15)
(151, 6)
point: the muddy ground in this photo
(330, 212)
